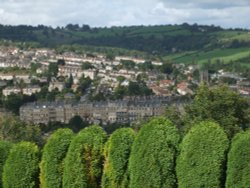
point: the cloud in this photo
(125, 12)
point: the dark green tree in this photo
(133, 88)
(219, 104)
(174, 114)
(4, 152)
(167, 68)
(202, 157)
(61, 62)
(54, 152)
(117, 152)
(53, 69)
(128, 64)
(13, 102)
(21, 168)
(120, 92)
(120, 79)
(238, 168)
(138, 88)
(51, 96)
(84, 83)
(14, 130)
(110, 56)
(76, 123)
(34, 67)
(84, 159)
(69, 81)
(152, 159)
(87, 65)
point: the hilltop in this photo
(178, 43)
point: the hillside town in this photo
(120, 89)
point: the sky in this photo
(100, 13)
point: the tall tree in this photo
(202, 157)
(13, 102)
(238, 168)
(83, 162)
(69, 81)
(152, 158)
(4, 152)
(54, 152)
(221, 105)
(21, 168)
(52, 69)
(117, 152)
(14, 130)
(76, 123)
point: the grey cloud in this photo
(231, 13)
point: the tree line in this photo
(155, 156)
(207, 146)
(151, 39)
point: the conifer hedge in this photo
(84, 160)
(4, 152)
(152, 159)
(117, 152)
(238, 166)
(54, 152)
(202, 157)
(21, 168)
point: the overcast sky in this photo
(228, 13)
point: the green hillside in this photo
(179, 43)
(225, 55)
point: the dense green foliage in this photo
(138, 88)
(4, 152)
(202, 157)
(117, 152)
(146, 159)
(83, 162)
(152, 159)
(76, 123)
(51, 166)
(22, 166)
(238, 168)
(152, 39)
(221, 105)
(12, 129)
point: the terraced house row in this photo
(106, 112)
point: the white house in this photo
(56, 85)
(31, 90)
(9, 90)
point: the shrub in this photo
(238, 168)
(202, 156)
(52, 158)
(4, 152)
(152, 158)
(84, 159)
(117, 151)
(22, 166)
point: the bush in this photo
(117, 151)
(84, 159)
(22, 166)
(52, 158)
(238, 168)
(202, 156)
(4, 152)
(152, 158)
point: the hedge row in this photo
(153, 157)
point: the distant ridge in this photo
(156, 40)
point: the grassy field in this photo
(225, 55)
(228, 36)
